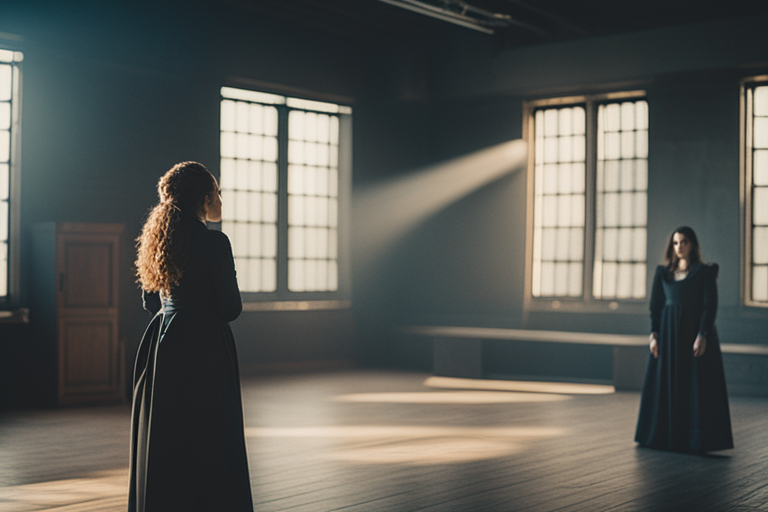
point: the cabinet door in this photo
(88, 316)
(89, 359)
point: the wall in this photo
(115, 94)
(465, 266)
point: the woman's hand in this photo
(654, 345)
(699, 346)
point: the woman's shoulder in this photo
(214, 234)
(713, 269)
(216, 240)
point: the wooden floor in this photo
(370, 441)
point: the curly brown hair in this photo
(162, 246)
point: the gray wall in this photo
(465, 266)
(115, 94)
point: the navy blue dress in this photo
(684, 404)
(188, 443)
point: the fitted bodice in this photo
(695, 296)
(209, 283)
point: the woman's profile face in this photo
(682, 245)
(214, 205)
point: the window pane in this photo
(624, 279)
(249, 186)
(268, 275)
(579, 120)
(548, 244)
(559, 163)
(6, 82)
(612, 175)
(575, 275)
(760, 206)
(761, 100)
(5, 116)
(312, 212)
(760, 283)
(638, 287)
(760, 167)
(760, 245)
(761, 132)
(256, 122)
(4, 181)
(612, 118)
(3, 225)
(621, 200)
(3, 265)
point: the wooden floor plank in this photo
(378, 441)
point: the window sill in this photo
(297, 305)
(594, 306)
(15, 316)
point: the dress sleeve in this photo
(658, 299)
(709, 303)
(226, 291)
(151, 301)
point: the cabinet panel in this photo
(87, 274)
(88, 355)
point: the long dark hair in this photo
(670, 256)
(164, 240)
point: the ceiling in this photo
(517, 22)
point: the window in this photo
(588, 191)
(10, 83)
(755, 165)
(285, 181)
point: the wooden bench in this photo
(458, 352)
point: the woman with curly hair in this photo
(187, 444)
(684, 404)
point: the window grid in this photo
(9, 79)
(280, 180)
(620, 264)
(249, 174)
(559, 202)
(757, 146)
(313, 182)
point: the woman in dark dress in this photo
(684, 404)
(187, 443)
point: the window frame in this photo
(587, 302)
(283, 299)
(12, 299)
(746, 189)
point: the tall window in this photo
(10, 82)
(589, 192)
(559, 188)
(756, 191)
(621, 200)
(285, 181)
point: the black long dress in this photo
(187, 444)
(684, 404)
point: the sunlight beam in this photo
(386, 211)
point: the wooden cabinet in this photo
(74, 312)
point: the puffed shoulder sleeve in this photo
(151, 301)
(226, 291)
(658, 299)
(709, 302)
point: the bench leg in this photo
(629, 367)
(458, 357)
